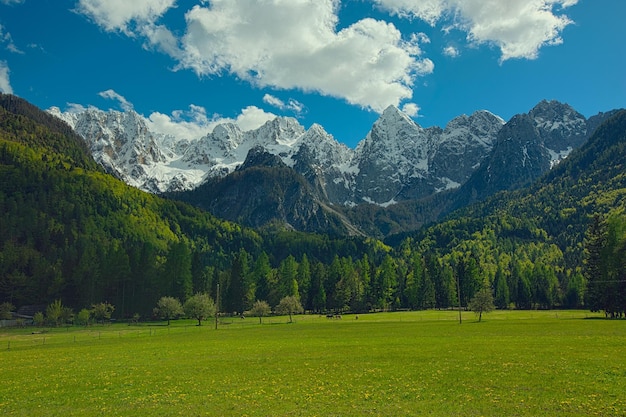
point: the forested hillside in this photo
(531, 244)
(73, 233)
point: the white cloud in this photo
(75, 108)
(291, 105)
(411, 109)
(5, 84)
(120, 15)
(6, 38)
(10, 2)
(112, 95)
(190, 124)
(518, 27)
(194, 123)
(451, 51)
(294, 44)
(253, 117)
(428, 10)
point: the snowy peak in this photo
(560, 126)
(397, 160)
(118, 140)
(324, 148)
(394, 126)
(228, 134)
(464, 144)
(280, 131)
(481, 127)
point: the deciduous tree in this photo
(5, 311)
(102, 311)
(168, 308)
(260, 309)
(200, 307)
(289, 305)
(482, 302)
(54, 312)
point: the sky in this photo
(186, 65)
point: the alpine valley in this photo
(533, 210)
(399, 177)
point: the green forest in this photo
(71, 232)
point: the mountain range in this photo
(72, 232)
(399, 177)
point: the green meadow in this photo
(388, 364)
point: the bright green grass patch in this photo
(394, 364)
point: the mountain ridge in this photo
(72, 232)
(398, 161)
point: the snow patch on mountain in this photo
(396, 161)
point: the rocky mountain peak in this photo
(228, 133)
(259, 157)
(397, 160)
(560, 127)
(394, 125)
(278, 131)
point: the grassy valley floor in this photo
(513, 363)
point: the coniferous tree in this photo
(317, 294)
(595, 242)
(304, 278)
(287, 278)
(502, 297)
(263, 276)
(386, 281)
(235, 294)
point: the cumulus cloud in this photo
(134, 18)
(291, 105)
(298, 44)
(122, 15)
(451, 51)
(188, 124)
(5, 84)
(195, 123)
(294, 44)
(252, 118)
(112, 95)
(519, 28)
(411, 109)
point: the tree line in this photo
(71, 232)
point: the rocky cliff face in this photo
(527, 147)
(265, 192)
(398, 161)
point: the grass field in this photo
(393, 364)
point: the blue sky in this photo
(186, 65)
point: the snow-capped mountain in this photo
(124, 145)
(465, 143)
(398, 160)
(528, 146)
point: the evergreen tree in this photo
(333, 276)
(263, 276)
(304, 278)
(177, 277)
(426, 290)
(287, 278)
(235, 294)
(317, 294)
(386, 280)
(502, 298)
